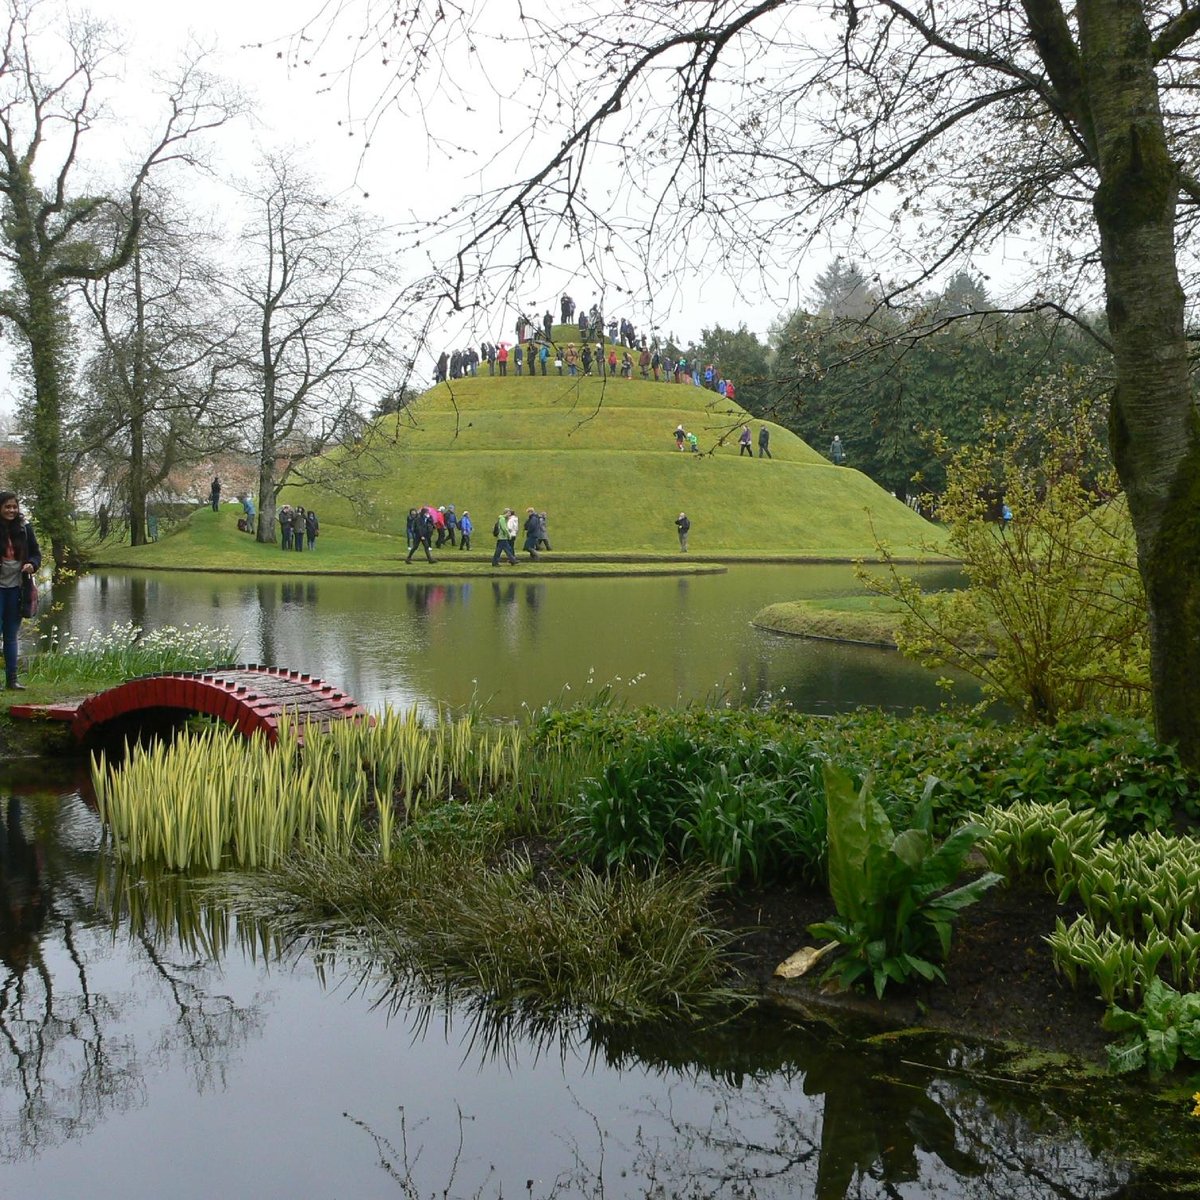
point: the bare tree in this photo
(49, 102)
(158, 386)
(314, 315)
(741, 129)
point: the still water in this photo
(513, 642)
(150, 1046)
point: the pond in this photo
(151, 1045)
(510, 642)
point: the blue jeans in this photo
(10, 621)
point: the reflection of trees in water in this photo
(71, 1054)
(764, 1107)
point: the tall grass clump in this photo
(126, 651)
(212, 799)
(619, 946)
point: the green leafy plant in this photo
(1166, 1027)
(1032, 839)
(1053, 617)
(894, 912)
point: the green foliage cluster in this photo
(1036, 839)
(1140, 922)
(1166, 1027)
(892, 891)
(1141, 915)
(1053, 617)
(884, 379)
(754, 810)
(681, 785)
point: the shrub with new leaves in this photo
(1052, 619)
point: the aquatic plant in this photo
(212, 798)
(894, 912)
(620, 945)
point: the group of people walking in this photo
(505, 531)
(764, 442)
(428, 529)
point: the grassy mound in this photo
(599, 456)
(870, 619)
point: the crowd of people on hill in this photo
(429, 528)
(606, 349)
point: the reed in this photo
(213, 799)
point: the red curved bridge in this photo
(251, 698)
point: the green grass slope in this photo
(598, 456)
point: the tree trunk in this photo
(44, 470)
(137, 412)
(1153, 422)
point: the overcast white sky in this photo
(403, 174)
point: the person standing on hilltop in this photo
(567, 308)
(837, 452)
(682, 525)
(547, 323)
(214, 493)
(730, 390)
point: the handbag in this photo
(29, 596)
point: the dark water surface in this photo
(150, 1047)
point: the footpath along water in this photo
(521, 642)
(150, 1047)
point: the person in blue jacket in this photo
(465, 529)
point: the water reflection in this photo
(517, 642)
(137, 1003)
